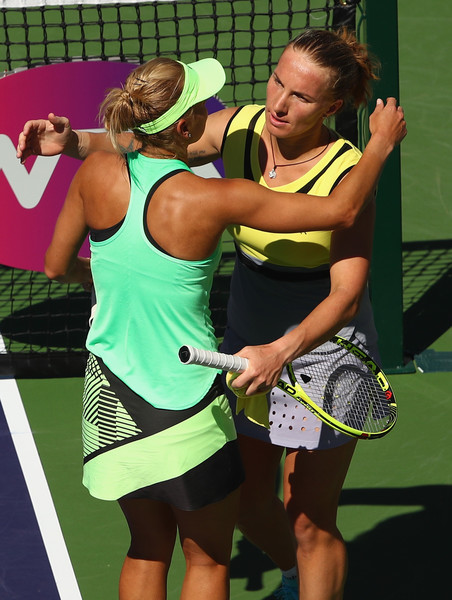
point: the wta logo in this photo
(33, 194)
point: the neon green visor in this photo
(203, 79)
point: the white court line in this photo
(39, 490)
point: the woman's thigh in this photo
(313, 481)
(152, 527)
(206, 533)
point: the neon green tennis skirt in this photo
(187, 458)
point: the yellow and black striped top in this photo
(241, 160)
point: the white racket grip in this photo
(216, 360)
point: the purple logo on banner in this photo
(33, 194)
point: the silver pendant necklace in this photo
(272, 172)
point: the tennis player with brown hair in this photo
(177, 219)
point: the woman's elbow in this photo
(54, 276)
(354, 309)
(349, 306)
(343, 220)
(348, 218)
(53, 273)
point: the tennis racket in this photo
(346, 390)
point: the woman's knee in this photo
(310, 532)
(206, 534)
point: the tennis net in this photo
(43, 324)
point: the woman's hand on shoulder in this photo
(44, 137)
(208, 147)
(387, 122)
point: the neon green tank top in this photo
(240, 156)
(150, 303)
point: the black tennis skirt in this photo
(187, 458)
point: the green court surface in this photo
(395, 507)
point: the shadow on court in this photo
(250, 564)
(402, 557)
(54, 323)
(427, 282)
(46, 339)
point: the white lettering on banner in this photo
(207, 171)
(28, 187)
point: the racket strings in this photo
(355, 398)
(351, 394)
